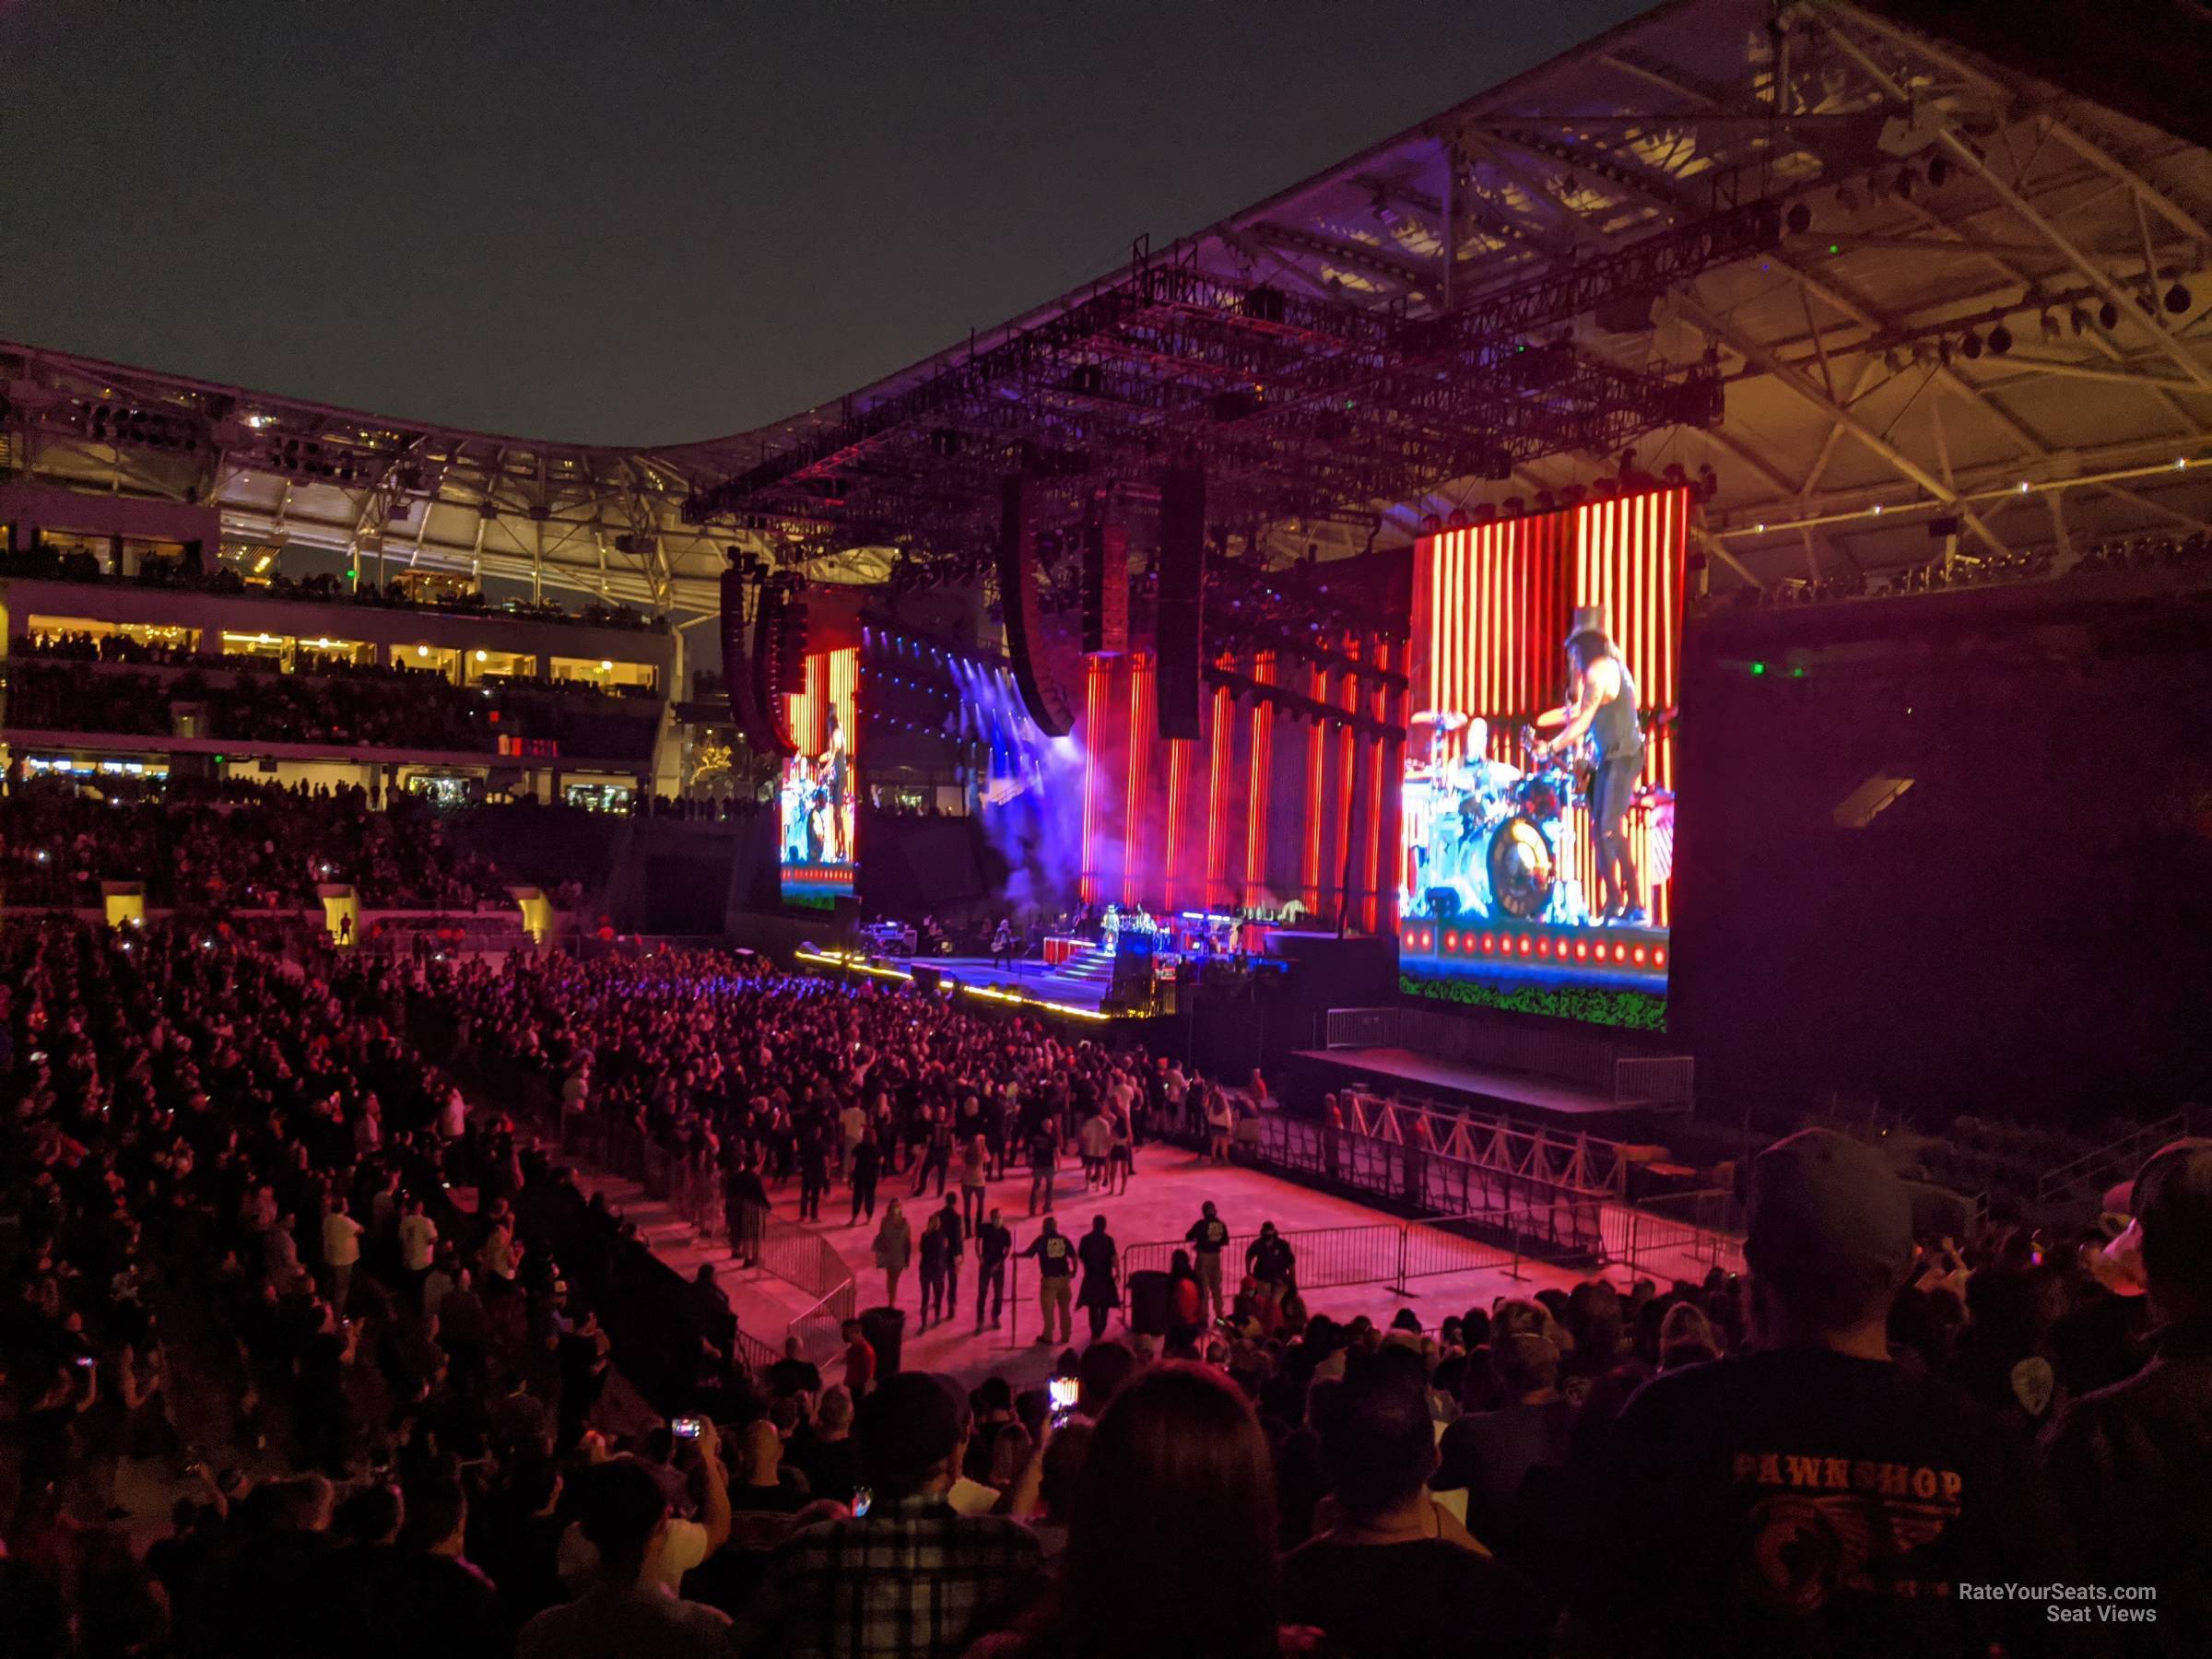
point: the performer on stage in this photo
(1601, 704)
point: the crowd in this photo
(350, 705)
(230, 1169)
(236, 846)
(326, 589)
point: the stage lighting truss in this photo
(1299, 407)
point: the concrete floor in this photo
(1161, 1203)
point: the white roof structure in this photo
(1991, 308)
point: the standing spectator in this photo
(864, 1159)
(1044, 1159)
(894, 1249)
(1812, 1495)
(975, 1164)
(814, 1173)
(1096, 1139)
(1100, 1292)
(1220, 1124)
(859, 1360)
(417, 1246)
(1491, 1452)
(910, 1579)
(627, 1607)
(744, 1212)
(1055, 1272)
(2132, 1463)
(936, 1256)
(956, 1246)
(341, 1251)
(1207, 1237)
(1171, 1549)
(993, 1245)
(830, 1457)
(1270, 1261)
(1395, 1576)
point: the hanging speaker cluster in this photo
(1182, 599)
(1105, 587)
(754, 706)
(769, 673)
(1040, 692)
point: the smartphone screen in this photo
(1062, 1391)
(688, 1428)
(862, 1498)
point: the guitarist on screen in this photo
(1601, 702)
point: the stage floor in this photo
(1518, 1094)
(1161, 1204)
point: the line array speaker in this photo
(1040, 692)
(1182, 598)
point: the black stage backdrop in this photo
(2024, 932)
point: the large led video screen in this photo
(819, 797)
(1538, 816)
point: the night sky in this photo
(646, 223)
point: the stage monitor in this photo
(1538, 808)
(818, 797)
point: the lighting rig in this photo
(1297, 407)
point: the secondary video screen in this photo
(818, 798)
(1538, 808)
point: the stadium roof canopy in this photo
(1987, 313)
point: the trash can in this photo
(1150, 1302)
(885, 1329)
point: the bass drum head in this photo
(1522, 869)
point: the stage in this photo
(1076, 991)
(1540, 1102)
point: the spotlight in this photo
(1799, 219)
(2000, 340)
(2108, 315)
(2177, 298)
(1971, 345)
(1939, 171)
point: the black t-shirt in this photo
(1804, 1501)
(831, 1467)
(1054, 1258)
(788, 1377)
(1425, 1599)
(1209, 1235)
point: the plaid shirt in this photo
(907, 1582)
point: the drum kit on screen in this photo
(1492, 840)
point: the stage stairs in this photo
(1088, 966)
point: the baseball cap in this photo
(909, 1422)
(1820, 1197)
(2170, 1199)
